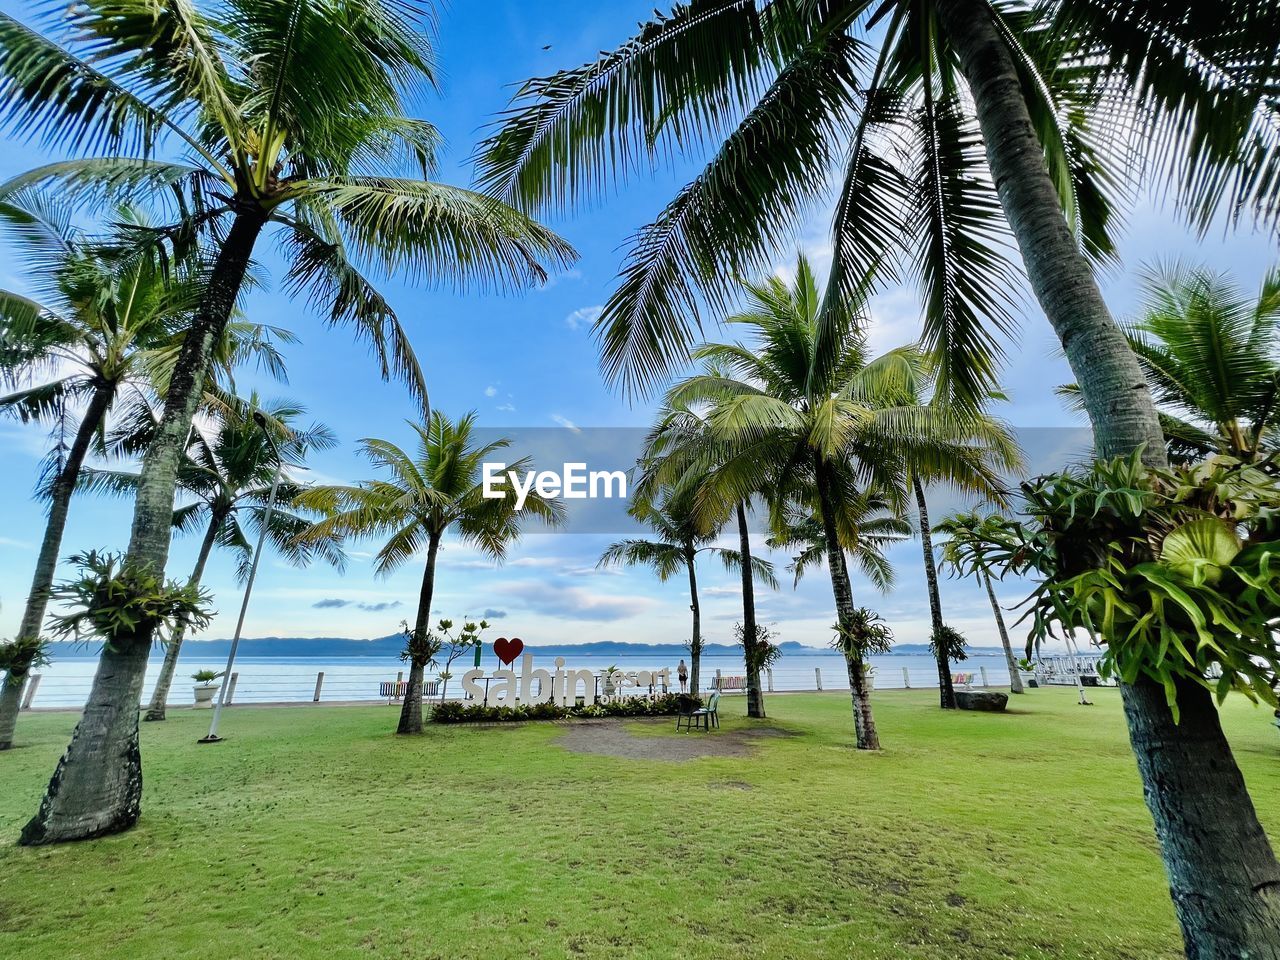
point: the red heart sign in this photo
(508, 650)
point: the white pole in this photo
(906, 679)
(817, 675)
(33, 681)
(319, 684)
(231, 687)
(248, 590)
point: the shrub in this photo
(453, 711)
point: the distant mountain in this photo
(389, 647)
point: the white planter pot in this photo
(1027, 677)
(204, 696)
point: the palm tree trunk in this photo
(864, 722)
(1222, 872)
(750, 636)
(1111, 382)
(1225, 892)
(1015, 681)
(695, 644)
(60, 493)
(96, 787)
(411, 712)
(946, 691)
(160, 695)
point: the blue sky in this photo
(529, 361)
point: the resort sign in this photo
(563, 686)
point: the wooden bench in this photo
(395, 690)
(726, 684)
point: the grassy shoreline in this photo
(319, 834)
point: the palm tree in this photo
(680, 537)
(868, 526)
(227, 476)
(436, 490)
(1209, 352)
(967, 553)
(286, 117)
(824, 428)
(681, 454)
(992, 441)
(1066, 100)
(100, 328)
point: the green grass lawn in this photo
(317, 833)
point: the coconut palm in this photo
(433, 491)
(680, 537)
(1210, 354)
(823, 429)
(967, 552)
(254, 116)
(681, 454)
(868, 526)
(900, 102)
(227, 478)
(989, 439)
(98, 330)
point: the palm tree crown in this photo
(288, 113)
(788, 98)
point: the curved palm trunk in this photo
(695, 644)
(160, 695)
(750, 637)
(96, 787)
(1015, 681)
(1224, 878)
(60, 493)
(946, 691)
(863, 720)
(411, 711)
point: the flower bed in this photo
(454, 711)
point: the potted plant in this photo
(610, 686)
(1027, 673)
(205, 687)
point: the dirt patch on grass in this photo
(618, 740)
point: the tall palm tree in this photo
(227, 478)
(1210, 352)
(280, 116)
(821, 421)
(990, 440)
(681, 454)
(434, 490)
(1066, 100)
(680, 537)
(967, 553)
(97, 329)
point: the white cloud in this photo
(507, 407)
(583, 317)
(573, 273)
(566, 423)
(574, 603)
(490, 391)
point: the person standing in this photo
(682, 673)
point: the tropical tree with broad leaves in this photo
(680, 535)
(249, 117)
(98, 331)
(948, 127)
(226, 479)
(823, 422)
(435, 490)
